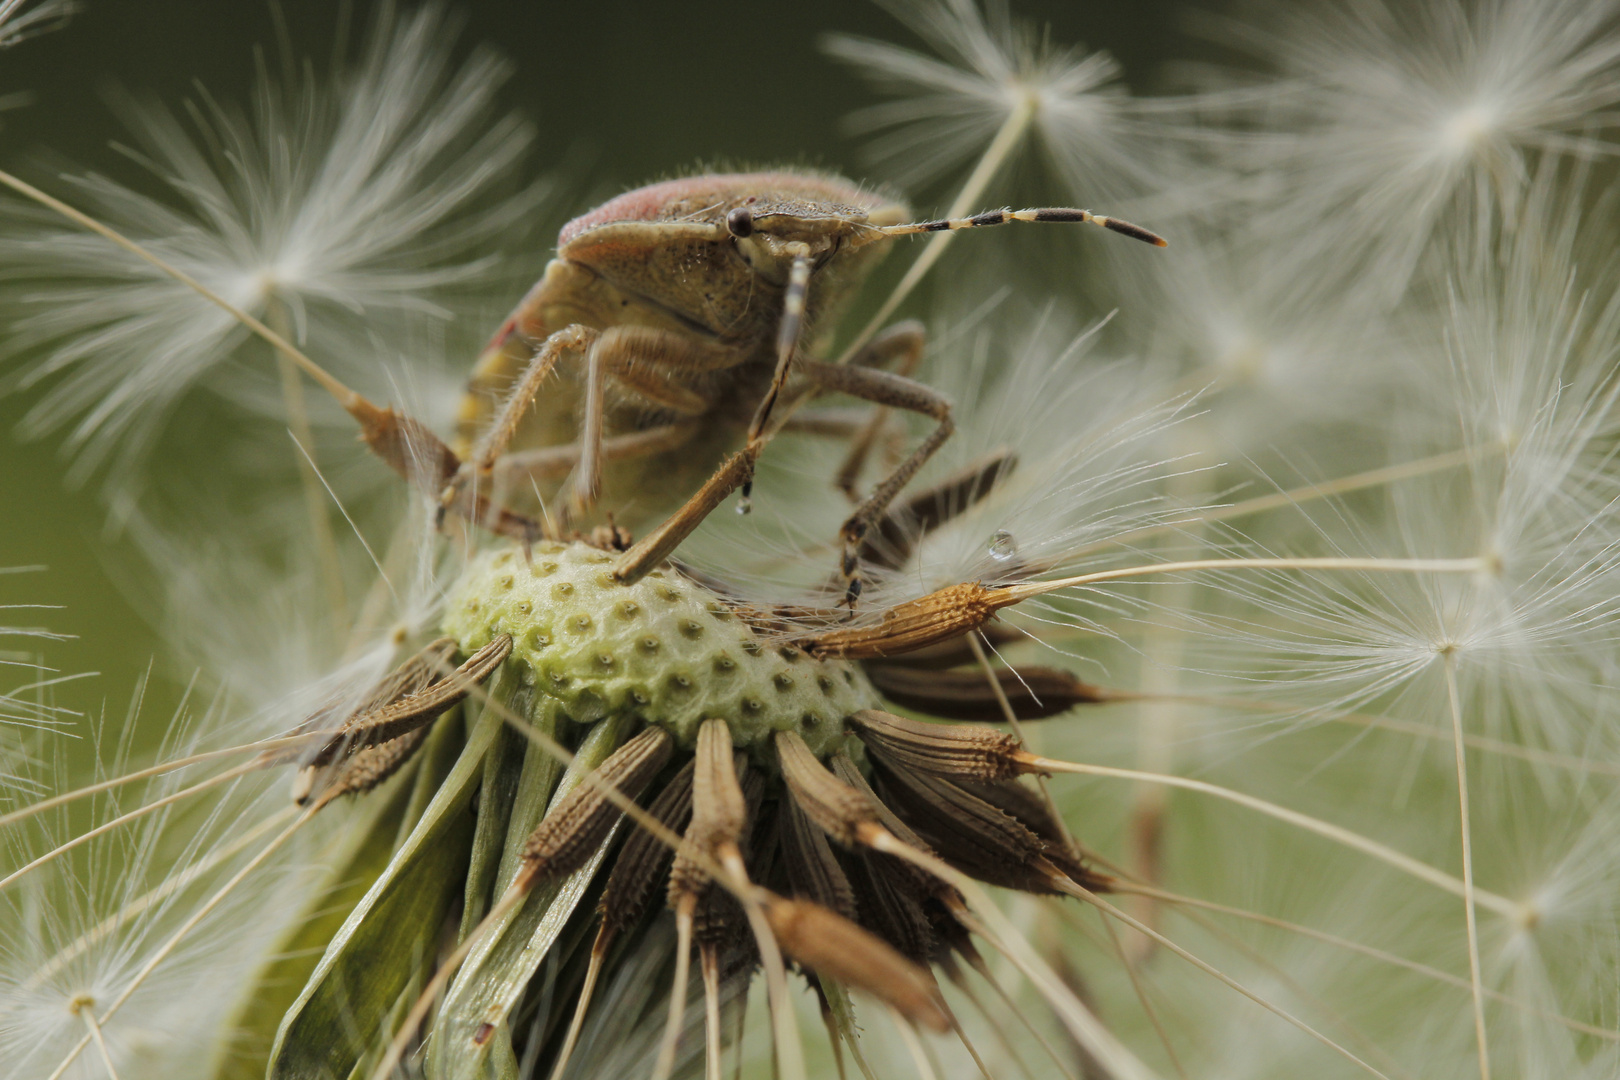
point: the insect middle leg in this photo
(665, 370)
(900, 345)
(893, 391)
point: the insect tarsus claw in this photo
(852, 593)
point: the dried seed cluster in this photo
(664, 648)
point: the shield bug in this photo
(674, 322)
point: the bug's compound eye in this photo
(740, 222)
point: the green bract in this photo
(664, 649)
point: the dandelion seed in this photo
(991, 68)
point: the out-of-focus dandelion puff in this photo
(199, 882)
(92, 933)
(997, 75)
(1277, 355)
(264, 634)
(1390, 121)
(21, 19)
(333, 208)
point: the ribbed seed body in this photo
(568, 835)
(645, 858)
(964, 751)
(838, 809)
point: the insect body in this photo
(673, 322)
(665, 304)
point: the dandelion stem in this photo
(995, 155)
(598, 954)
(349, 399)
(1005, 1045)
(669, 1043)
(1019, 1014)
(185, 928)
(123, 819)
(1421, 870)
(908, 1036)
(1159, 731)
(1468, 868)
(789, 1050)
(1090, 897)
(967, 1043)
(382, 574)
(712, 1046)
(1372, 1049)
(1141, 994)
(292, 398)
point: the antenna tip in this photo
(1135, 232)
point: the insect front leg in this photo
(893, 391)
(480, 464)
(508, 350)
(652, 549)
(738, 470)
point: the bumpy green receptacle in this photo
(664, 649)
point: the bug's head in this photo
(769, 232)
(699, 248)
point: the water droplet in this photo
(1003, 546)
(744, 505)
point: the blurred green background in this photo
(620, 92)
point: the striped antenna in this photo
(1003, 217)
